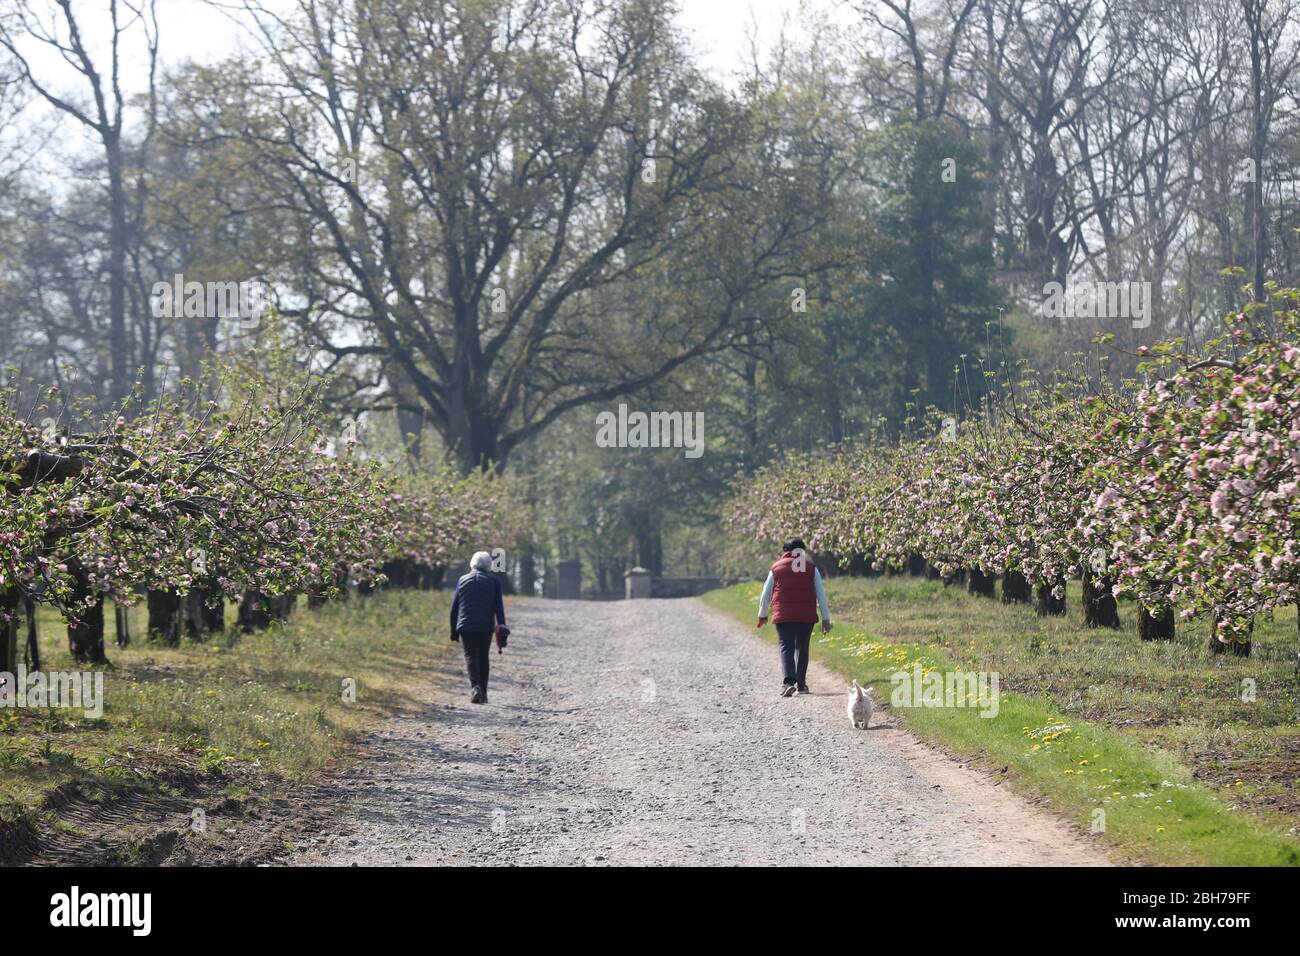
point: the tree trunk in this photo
(1046, 603)
(979, 583)
(119, 359)
(1100, 609)
(527, 573)
(164, 617)
(122, 624)
(411, 424)
(1156, 627)
(916, 565)
(213, 614)
(403, 574)
(1261, 104)
(317, 597)
(10, 601)
(650, 549)
(860, 566)
(86, 635)
(257, 611)
(392, 572)
(32, 652)
(750, 428)
(997, 135)
(192, 615)
(86, 629)
(1240, 645)
(1015, 589)
(253, 614)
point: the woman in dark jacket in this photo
(475, 611)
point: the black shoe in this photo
(804, 691)
(787, 690)
(476, 696)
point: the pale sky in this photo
(718, 29)
(719, 32)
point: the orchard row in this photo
(242, 495)
(1179, 491)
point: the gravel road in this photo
(651, 732)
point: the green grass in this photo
(234, 709)
(1159, 738)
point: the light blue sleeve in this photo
(766, 597)
(821, 595)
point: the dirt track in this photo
(650, 732)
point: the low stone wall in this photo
(682, 587)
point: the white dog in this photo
(859, 706)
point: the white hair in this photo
(482, 561)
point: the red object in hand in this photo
(503, 635)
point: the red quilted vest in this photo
(794, 599)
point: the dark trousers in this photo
(794, 639)
(478, 656)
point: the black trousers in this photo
(793, 639)
(478, 656)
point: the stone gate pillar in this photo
(637, 583)
(568, 580)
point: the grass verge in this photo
(1156, 746)
(234, 713)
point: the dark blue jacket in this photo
(478, 598)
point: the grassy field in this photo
(1186, 765)
(235, 709)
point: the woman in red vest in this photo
(795, 591)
